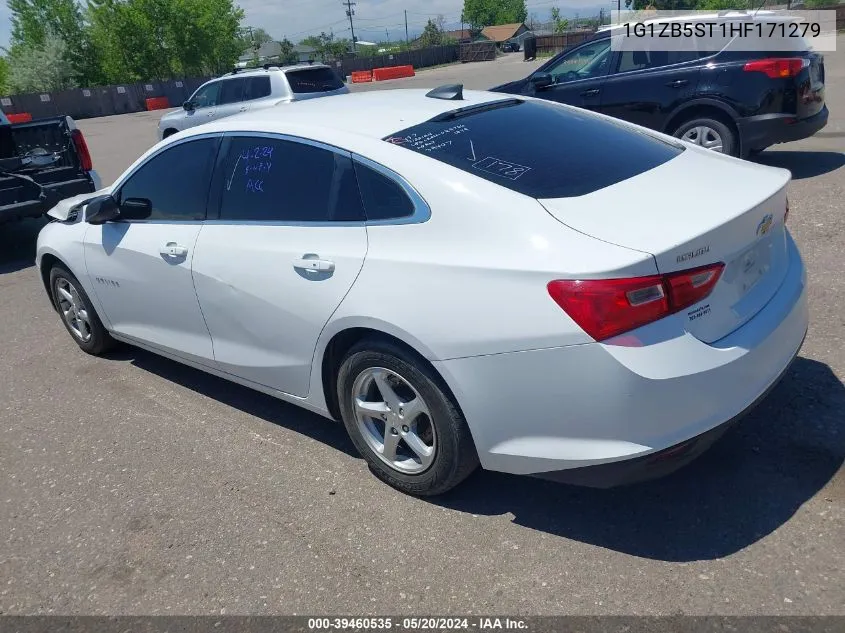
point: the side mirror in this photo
(135, 209)
(541, 81)
(188, 106)
(101, 209)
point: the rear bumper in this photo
(541, 411)
(759, 132)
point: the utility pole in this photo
(407, 41)
(350, 12)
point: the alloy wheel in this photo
(73, 310)
(394, 420)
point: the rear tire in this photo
(417, 440)
(708, 133)
(77, 312)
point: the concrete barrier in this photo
(392, 72)
(158, 103)
(362, 76)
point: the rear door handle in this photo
(314, 265)
(590, 93)
(677, 83)
(172, 249)
(242, 109)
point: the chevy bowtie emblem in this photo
(765, 224)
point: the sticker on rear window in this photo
(499, 167)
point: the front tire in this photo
(402, 419)
(77, 312)
(708, 133)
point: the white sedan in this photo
(459, 277)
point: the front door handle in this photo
(242, 109)
(314, 265)
(677, 83)
(590, 93)
(172, 249)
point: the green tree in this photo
(560, 24)
(4, 76)
(41, 67)
(432, 35)
(34, 20)
(287, 54)
(327, 46)
(481, 13)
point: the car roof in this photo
(373, 115)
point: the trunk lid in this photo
(699, 208)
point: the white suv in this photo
(253, 89)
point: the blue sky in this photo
(374, 19)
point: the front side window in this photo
(175, 181)
(275, 180)
(587, 62)
(207, 95)
(648, 59)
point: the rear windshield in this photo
(313, 80)
(539, 149)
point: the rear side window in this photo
(539, 149)
(232, 90)
(275, 180)
(257, 87)
(384, 199)
(176, 181)
(319, 79)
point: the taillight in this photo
(82, 150)
(777, 67)
(604, 308)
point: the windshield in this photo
(540, 149)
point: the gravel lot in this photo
(134, 485)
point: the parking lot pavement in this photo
(133, 485)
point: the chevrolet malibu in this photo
(460, 277)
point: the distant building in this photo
(305, 53)
(501, 33)
(266, 53)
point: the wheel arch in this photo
(47, 262)
(337, 342)
(704, 107)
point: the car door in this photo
(204, 101)
(578, 76)
(645, 86)
(286, 247)
(141, 269)
(232, 93)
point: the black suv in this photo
(734, 101)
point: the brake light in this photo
(777, 67)
(604, 308)
(82, 150)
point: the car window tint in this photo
(265, 179)
(232, 90)
(176, 180)
(320, 79)
(537, 148)
(384, 199)
(588, 61)
(207, 95)
(647, 59)
(257, 87)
